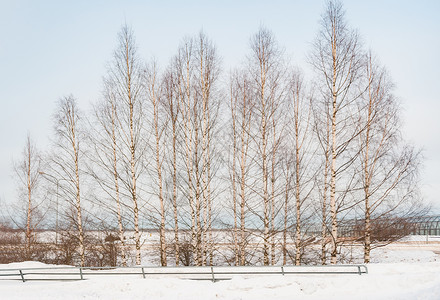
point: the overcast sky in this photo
(50, 49)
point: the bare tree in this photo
(66, 161)
(183, 65)
(241, 120)
(172, 107)
(323, 135)
(337, 59)
(233, 107)
(206, 78)
(266, 71)
(197, 70)
(28, 171)
(126, 77)
(388, 165)
(104, 140)
(154, 95)
(303, 165)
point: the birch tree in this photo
(388, 165)
(28, 171)
(66, 162)
(197, 66)
(206, 79)
(154, 94)
(266, 71)
(126, 76)
(184, 71)
(106, 145)
(322, 132)
(241, 120)
(303, 166)
(172, 108)
(337, 59)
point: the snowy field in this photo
(405, 270)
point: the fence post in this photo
(22, 276)
(81, 273)
(212, 272)
(143, 272)
(359, 270)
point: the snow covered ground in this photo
(406, 270)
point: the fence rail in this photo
(214, 273)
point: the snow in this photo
(401, 270)
(420, 238)
(384, 281)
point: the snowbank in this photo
(384, 281)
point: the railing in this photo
(214, 273)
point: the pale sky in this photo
(50, 49)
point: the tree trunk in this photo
(176, 220)
(29, 208)
(78, 198)
(118, 203)
(162, 242)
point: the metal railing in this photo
(213, 273)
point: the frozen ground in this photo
(406, 270)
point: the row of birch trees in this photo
(276, 161)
